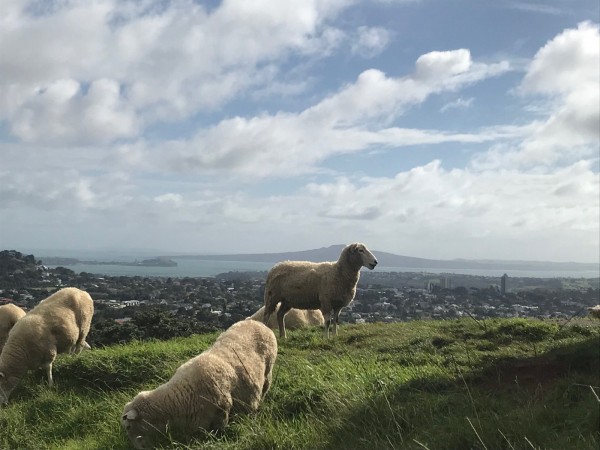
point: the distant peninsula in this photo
(386, 259)
(152, 262)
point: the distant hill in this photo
(387, 259)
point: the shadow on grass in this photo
(541, 372)
(499, 405)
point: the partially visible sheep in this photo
(295, 318)
(328, 286)
(233, 374)
(594, 311)
(9, 314)
(57, 325)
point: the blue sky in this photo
(429, 128)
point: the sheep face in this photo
(7, 385)
(139, 431)
(367, 258)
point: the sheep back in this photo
(67, 316)
(594, 311)
(9, 315)
(59, 324)
(308, 285)
(232, 375)
(300, 283)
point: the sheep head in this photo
(361, 254)
(7, 385)
(142, 430)
(3, 396)
(133, 425)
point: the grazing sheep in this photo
(57, 325)
(233, 374)
(594, 311)
(295, 318)
(9, 314)
(328, 286)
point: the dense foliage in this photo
(16, 269)
(146, 323)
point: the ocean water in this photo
(185, 268)
(208, 268)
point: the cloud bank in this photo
(129, 122)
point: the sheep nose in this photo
(375, 262)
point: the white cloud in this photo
(537, 8)
(566, 63)
(459, 103)
(63, 113)
(370, 41)
(567, 73)
(81, 74)
(351, 120)
(439, 64)
(169, 60)
(174, 199)
(461, 208)
(446, 211)
(65, 193)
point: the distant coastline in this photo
(152, 262)
(173, 265)
(212, 268)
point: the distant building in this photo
(503, 284)
(447, 282)
(131, 303)
(430, 286)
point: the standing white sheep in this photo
(295, 318)
(59, 324)
(328, 286)
(233, 374)
(594, 311)
(9, 314)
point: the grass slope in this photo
(496, 384)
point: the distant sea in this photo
(210, 268)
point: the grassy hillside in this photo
(498, 384)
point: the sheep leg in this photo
(80, 346)
(267, 383)
(48, 368)
(270, 306)
(267, 315)
(327, 317)
(283, 310)
(336, 317)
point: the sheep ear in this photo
(2, 375)
(132, 414)
(353, 248)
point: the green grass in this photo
(495, 384)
